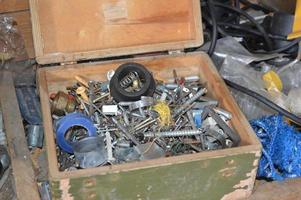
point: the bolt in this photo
(109, 146)
(200, 93)
(144, 124)
(174, 133)
(202, 105)
(101, 97)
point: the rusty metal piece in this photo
(62, 103)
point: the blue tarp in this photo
(281, 158)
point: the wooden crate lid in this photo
(73, 30)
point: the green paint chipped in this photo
(206, 179)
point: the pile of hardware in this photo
(132, 117)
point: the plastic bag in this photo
(229, 47)
(240, 73)
(11, 42)
(291, 77)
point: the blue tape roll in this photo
(71, 120)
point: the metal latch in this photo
(68, 63)
(176, 52)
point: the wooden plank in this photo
(227, 178)
(65, 32)
(24, 26)
(13, 5)
(24, 178)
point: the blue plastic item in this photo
(197, 117)
(71, 120)
(281, 155)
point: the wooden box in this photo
(69, 31)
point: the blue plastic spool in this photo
(71, 120)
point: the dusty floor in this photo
(286, 190)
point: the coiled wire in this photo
(129, 79)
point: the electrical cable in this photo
(219, 29)
(264, 100)
(237, 5)
(284, 48)
(251, 19)
(249, 30)
(214, 28)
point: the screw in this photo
(174, 133)
(190, 101)
(144, 124)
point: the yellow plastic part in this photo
(164, 113)
(297, 22)
(272, 81)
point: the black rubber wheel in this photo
(120, 94)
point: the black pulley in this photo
(130, 82)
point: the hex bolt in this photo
(174, 133)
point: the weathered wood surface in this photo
(79, 30)
(13, 5)
(24, 177)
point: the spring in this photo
(129, 79)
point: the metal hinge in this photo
(176, 52)
(68, 63)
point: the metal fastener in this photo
(174, 133)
